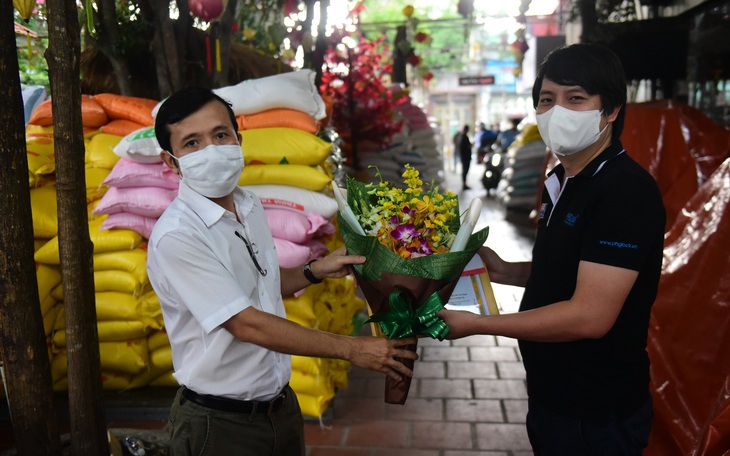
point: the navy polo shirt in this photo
(610, 213)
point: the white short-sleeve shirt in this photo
(203, 275)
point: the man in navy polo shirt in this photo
(584, 316)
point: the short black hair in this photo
(182, 104)
(593, 67)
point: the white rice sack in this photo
(294, 199)
(422, 133)
(140, 146)
(293, 90)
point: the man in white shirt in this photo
(213, 264)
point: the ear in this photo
(240, 137)
(168, 160)
(612, 115)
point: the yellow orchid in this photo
(408, 221)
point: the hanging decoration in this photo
(210, 11)
(207, 10)
(25, 9)
(520, 46)
(408, 46)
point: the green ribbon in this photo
(402, 320)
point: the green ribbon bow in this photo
(402, 320)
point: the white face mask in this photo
(566, 132)
(214, 171)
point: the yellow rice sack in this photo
(95, 187)
(127, 357)
(165, 380)
(302, 176)
(132, 261)
(160, 362)
(307, 364)
(158, 339)
(110, 381)
(109, 331)
(283, 145)
(104, 241)
(313, 405)
(315, 385)
(44, 208)
(301, 306)
(113, 280)
(100, 151)
(49, 319)
(114, 305)
(47, 277)
(41, 156)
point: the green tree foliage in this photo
(449, 41)
(32, 63)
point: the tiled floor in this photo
(468, 397)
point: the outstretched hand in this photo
(459, 322)
(378, 353)
(336, 264)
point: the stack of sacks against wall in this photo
(127, 311)
(286, 164)
(416, 144)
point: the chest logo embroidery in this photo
(570, 219)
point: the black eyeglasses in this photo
(252, 250)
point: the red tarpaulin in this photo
(689, 341)
(678, 144)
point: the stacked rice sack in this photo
(128, 187)
(128, 312)
(416, 144)
(522, 177)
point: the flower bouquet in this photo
(412, 266)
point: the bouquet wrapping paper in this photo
(404, 294)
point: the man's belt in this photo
(224, 404)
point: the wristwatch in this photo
(308, 272)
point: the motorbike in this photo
(494, 165)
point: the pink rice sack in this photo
(146, 201)
(129, 173)
(292, 255)
(139, 223)
(297, 227)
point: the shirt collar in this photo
(210, 212)
(595, 165)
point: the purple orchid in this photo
(404, 233)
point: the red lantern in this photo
(420, 37)
(428, 76)
(414, 60)
(206, 10)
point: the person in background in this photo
(507, 137)
(455, 149)
(584, 316)
(213, 265)
(483, 142)
(465, 155)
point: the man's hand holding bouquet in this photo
(416, 249)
